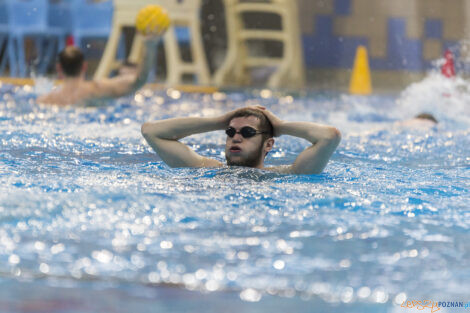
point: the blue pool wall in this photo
(401, 35)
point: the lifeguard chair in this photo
(289, 69)
(183, 13)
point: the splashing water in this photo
(86, 204)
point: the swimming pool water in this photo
(91, 220)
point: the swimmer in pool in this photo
(420, 121)
(76, 90)
(250, 133)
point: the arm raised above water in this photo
(122, 85)
(324, 141)
(163, 137)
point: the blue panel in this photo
(452, 46)
(182, 34)
(402, 53)
(343, 7)
(433, 28)
(324, 50)
(461, 65)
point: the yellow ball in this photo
(153, 20)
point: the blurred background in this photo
(92, 220)
(309, 43)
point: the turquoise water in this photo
(91, 220)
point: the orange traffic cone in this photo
(448, 69)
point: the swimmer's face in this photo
(240, 151)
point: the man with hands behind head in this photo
(250, 133)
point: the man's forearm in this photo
(324, 141)
(177, 128)
(143, 69)
(312, 132)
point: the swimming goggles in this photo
(246, 132)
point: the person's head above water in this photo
(249, 138)
(426, 116)
(71, 61)
(77, 90)
(421, 121)
(250, 133)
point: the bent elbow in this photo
(145, 129)
(335, 135)
(332, 136)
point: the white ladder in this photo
(182, 13)
(289, 71)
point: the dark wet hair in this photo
(426, 116)
(264, 123)
(71, 60)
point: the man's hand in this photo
(324, 141)
(276, 122)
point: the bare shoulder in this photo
(56, 97)
(112, 87)
(281, 169)
(93, 88)
(44, 99)
(63, 97)
(93, 93)
(208, 162)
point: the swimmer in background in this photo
(77, 90)
(420, 121)
(250, 133)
